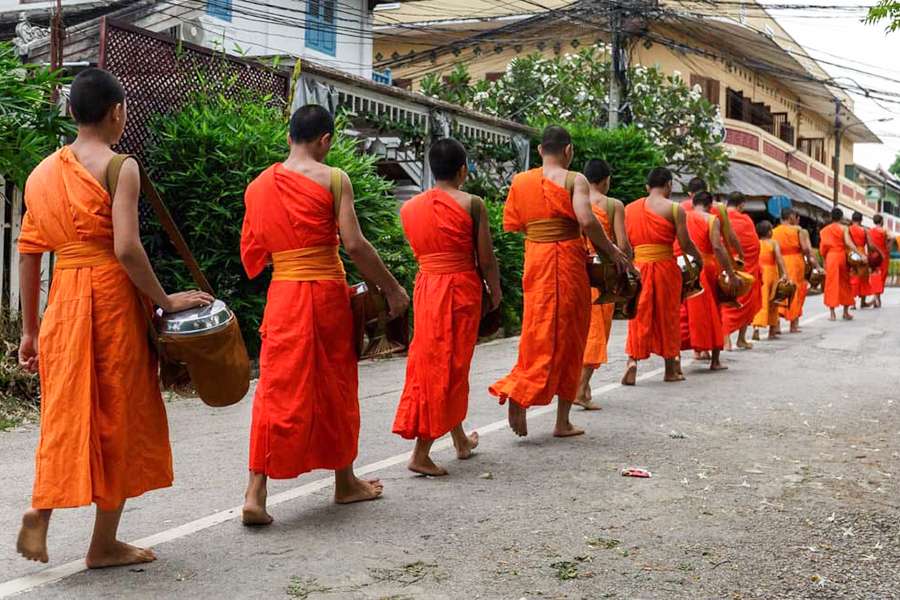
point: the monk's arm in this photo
(364, 255)
(731, 237)
(807, 249)
(622, 240)
(779, 260)
(684, 238)
(30, 291)
(130, 251)
(487, 260)
(581, 203)
(848, 241)
(719, 248)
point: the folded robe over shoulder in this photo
(557, 297)
(104, 434)
(446, 309)
(306, 410)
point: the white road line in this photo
(53, 574)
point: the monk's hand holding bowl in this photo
(185, 300)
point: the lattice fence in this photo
(159, 74)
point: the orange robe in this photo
(104, 434)
(767, 316)
(703, 315)
(595, 351)
(735, 318)
(859, 282)
(447, 310)
(306, 410)
(788, 237)
(878, 276)
(837, 272)
(557, 297)
(655, 328)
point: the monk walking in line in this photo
(653, 224)
(772, 271)
(703, 311)
(859, 279)
(739, 318)
(552, 206)
(611, 214)
(720, 210)
(834, 244)
(446, 306)
(796, 251)
(104, 434)
(306, 409)
(881, 242)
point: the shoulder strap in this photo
(337, 190)
(675, 212)
(475, 204)
(570, 182)
(611, 213)
(113, 170)
(710, 221)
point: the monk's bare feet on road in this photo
(755, 337)
(466, 446)
(358, 490)
(425, 466)
(32, 542)
(673, 371)
(588, 404)
(518, 421)
(630, 376)
(566, 430)
(717, 366)
(117, 554)
(254, 514)
(744, 345)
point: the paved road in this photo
(776, 479)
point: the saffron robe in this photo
(703, 316)
(735, 318)
(767, 316)
(655, 328)
(104, 433)
(306, 410)
(557, 298)
(837, 271)
(788, 238)
(878, 276)
(447, 310)
(859, 282)
(595, 351)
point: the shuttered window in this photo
(321, 30)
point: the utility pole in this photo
(615, 91)
(838, 133)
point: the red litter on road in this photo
(636, 473)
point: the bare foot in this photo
(359, 490)
(254, 515)
(465, 450)
(567, 430)
(587, 404)
(426, 466)
(795, 330)
(717, 367)
(848, 317)
(518, 421)
(744, 345)
(32, 542)
(755, 337)
(630, 376)
(118, 555)
(832, 318)
(702, 355)
(674, 377)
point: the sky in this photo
(840, 37)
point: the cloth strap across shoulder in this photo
(113, 170)
(337, 190)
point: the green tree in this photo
(31, 124)
(885, 10)
(895, 168)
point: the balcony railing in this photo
(751, 144)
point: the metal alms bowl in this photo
(195, 321)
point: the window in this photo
(221, 9)
(709, 88)
(321, 33)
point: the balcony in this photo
(751, 144)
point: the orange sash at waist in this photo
(552, 230)
(790, 251)
(446, 262)
(647, 253)
(315, 263)
(79, 255)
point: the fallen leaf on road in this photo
(486, 476)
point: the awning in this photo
(755, 181)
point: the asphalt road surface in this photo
(775, 479)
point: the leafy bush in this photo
(19, 390)
(31, 124)
(203, 157)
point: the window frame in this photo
(320, 32)
(220, 9)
